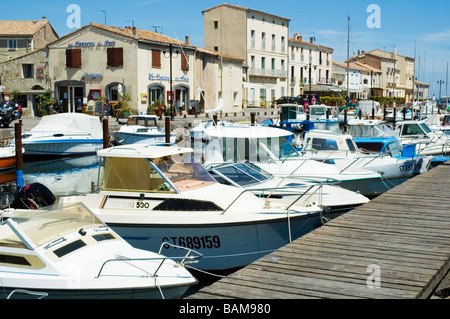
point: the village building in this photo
(20, 37)
(261, 40)
(153, 70)
(310, 67)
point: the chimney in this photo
(44, 18)
(300, 37)
(186, 39)
(311, 40)
(295, 35)
(134, 31)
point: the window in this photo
(273, 63)
(273, 42)
(216, 24)
(184, 62)
(12, 45)
(283, 44)
(263, 63)
(263, 41)
(27, 71)
(252, 37)
(115, 57)
(156, 58)
(73, 58)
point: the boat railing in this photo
(361, 158)
(433, 142)
(38, 294)
(295, 200)
(188, 258)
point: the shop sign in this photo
(93, 75)
(159, 77)
(79, 44)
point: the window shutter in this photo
(73, 58)
(184, 63)
(156, 58)
(119, 57)
(115, 57)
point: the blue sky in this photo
(416, 27)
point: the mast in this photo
(348, 57)
(414, 77)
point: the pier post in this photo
(345, 121)
(167, 130)
(19, 160)
(281, 120)
(395, 115)
(105, 133)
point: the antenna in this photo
(156, 28)
(104, 11)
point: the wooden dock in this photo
(397, 246)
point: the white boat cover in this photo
(246, 131)
(71, 123)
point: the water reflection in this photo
(66, 176)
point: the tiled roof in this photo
(20, 28)
(244, 9)
(141, 34)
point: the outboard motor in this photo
(33, 196)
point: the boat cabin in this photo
(317, 141)
(414, 129)
(168, 169)
(143, 120)
(369, 128)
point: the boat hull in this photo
(158, 139)
(224, 246)
(62, 148)
(175, 292)
(7, 162)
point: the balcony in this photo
(269, 73)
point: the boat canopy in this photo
(71, 123)
(246, 132)
(143, 151)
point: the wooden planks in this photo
(404, 234)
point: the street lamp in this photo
(171, 90)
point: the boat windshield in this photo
(414, 129)
(394, 148)
(242, 174)
(381, 130)
(261, 150)
(168, 174)
(44, 226)
(183, 172)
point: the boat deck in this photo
(396, 246)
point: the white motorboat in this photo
(342, 150)
(334, 199)
(7, 157)
(271, 148)
(142, 129)
(64, 134)
(67, 252)
(154, 194)
(427, 141)
(298, 113)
